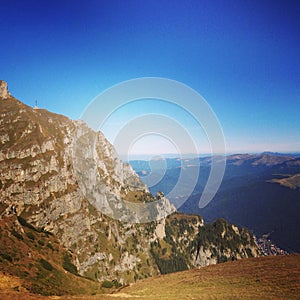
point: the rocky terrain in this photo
(66, 180)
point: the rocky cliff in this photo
(40, 183)
(4, 93)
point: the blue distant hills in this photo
(258, 191)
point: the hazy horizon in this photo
(149, 156)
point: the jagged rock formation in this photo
(38, 182)
(4, 93)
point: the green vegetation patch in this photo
(111, 284)
(68, 265)
(46, 265)
(6, 257)
(17, 235)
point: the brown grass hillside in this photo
(273, 277)
(276, 277)
(33, 262)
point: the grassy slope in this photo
(292, 181)
(37, 263)
(276, 277)
(255, 278)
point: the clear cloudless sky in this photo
(243, 57)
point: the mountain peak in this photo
(4, 93)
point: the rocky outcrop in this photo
(63, 177)
(4, 93)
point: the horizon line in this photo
(148, 156)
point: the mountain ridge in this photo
(38, 184)
(258, 191)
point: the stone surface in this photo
(4, 93)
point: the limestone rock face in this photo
(39, 181)
(4, 93)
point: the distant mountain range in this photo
(259, 191)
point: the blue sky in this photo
(241, 56)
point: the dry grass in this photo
(255, 278)
(276, 277)
(11, 288)
(34, 261)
